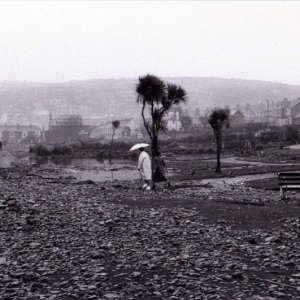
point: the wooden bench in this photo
(288, 181)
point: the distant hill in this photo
(30, 101)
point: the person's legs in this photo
(148, 187)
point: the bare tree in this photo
(115, 126)
(217, 120)
(158, 98)
(126, 131)
(186, 122)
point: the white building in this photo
(173, 121)
(16, 134)
(126, 129)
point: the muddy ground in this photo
(67, 240)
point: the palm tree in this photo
(115, 126)
(217, 120)
(158, 98)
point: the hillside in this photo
(34, 101)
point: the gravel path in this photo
(72, 241)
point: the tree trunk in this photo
(219, 145)
(154, 150)
(111, 144)
(153, 143)
(152, 167)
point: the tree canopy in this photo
(217, 120)
(159, 98)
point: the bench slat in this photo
(289, 173)
(289, 180)
(292, 181)
(295, 186)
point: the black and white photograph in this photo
(149, 150)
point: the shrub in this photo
(65, 150)
(234, 145)
(292, 134)
(210, 151)
(39, 150)
(100, 155)
(259, 147)
(267, 137)
(61, 160)
(61, 150)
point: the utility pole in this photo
(268, 105)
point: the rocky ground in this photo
(66, 240)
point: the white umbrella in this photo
(138, 146)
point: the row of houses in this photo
(66, 129)
(285, 112)
(71, 128)
(21, 134)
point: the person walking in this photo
(144, 166)
(160, 173)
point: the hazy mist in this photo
(75, 40)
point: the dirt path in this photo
(243, 161)
(75, 241)
(226, 183)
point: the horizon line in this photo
(133, 78)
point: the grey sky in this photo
(73, 40)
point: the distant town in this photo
(71, 128)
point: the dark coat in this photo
(159, 170)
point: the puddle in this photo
(124, 172)
(100, 175)
(83, 169)
(99, 171)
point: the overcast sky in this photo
(73, 40)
